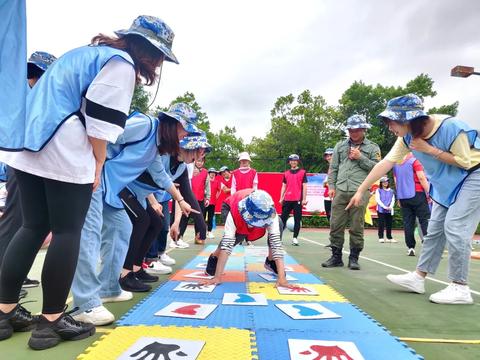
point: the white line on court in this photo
(387, 265)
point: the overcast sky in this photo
(238, 57)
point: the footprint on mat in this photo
(306, 311)
(187, 310)
(244, 298)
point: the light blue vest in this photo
(445, 180)
(141, 190)
(130, 156)
(58, 94)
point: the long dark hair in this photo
(145, 56)
(417, 126)
(168, 137)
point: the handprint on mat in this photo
(300, 289)
(193, 286)
(156, 349)
(327, 352)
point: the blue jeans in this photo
(159, 245)
(105, 236)
(455, 228)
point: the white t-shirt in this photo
(68, 156)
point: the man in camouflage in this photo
(352, 160)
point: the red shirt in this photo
(253, 233)
(215, 185)
(198, 184)
(417, 167)
(244, 180)
(294, 184)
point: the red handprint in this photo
(187, 310)
(299, 289)
(329, 352)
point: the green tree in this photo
(140, 100)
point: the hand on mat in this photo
(355, 200)
(214, 281)
(285, 284)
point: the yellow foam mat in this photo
(325, 292)
(219, 343)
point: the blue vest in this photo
(58, 94)
(141, 190)
(128, 160)
(405, 181)
(386, 198)
(445, 180)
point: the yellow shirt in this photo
(464, 156)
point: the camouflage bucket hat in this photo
(404, 108)
(328, 151)
(41, 59)
(294, 157)
(185, 115)
(257, 209)
(357, 122)
(156, 31)
(195, 141)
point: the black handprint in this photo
(158, 349)
(193, 286)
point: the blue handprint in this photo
(306, 311)
(244, 298)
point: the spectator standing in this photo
(412, 191)
(327, 201)
(352, 159)
(385, 199)
(293, 194)
(245, 177)
(215, 188)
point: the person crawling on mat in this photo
(248, 215)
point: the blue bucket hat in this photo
(294, 157)
(223, 168)
(185, 115)
(41, 59)
(155, 31)
(257, 209)
(357, 122)
(328, 151)
(404, 108)
(212, 170)
(195, 141)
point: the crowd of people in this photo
(110, 187)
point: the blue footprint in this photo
(306, 311)
(244, 298)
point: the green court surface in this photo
(434, 331)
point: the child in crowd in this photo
(385, 199)
(245, 177)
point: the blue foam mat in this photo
(352, 319)
(273, 344)
(166, 291)
(237, 249)
(289, 260)
(302, 278)
(223, 316)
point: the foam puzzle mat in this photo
(292, 326)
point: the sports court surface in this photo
(374, 313)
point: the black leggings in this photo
(147, 224)
(385, 223)
(11, 220)
(287, 207)
(46, 205)
(209, 215)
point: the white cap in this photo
(244, 156)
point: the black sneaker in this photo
(17, 320)
(23, 294)
(130, 283)
(143, 276)
(270, 265)
(48, 334)
(29, 283)
(211, 265)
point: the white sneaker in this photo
(182, 244)
(453, 294)
(295, 241)
(411, 281)
(97, 316)
(156, 267)
(210, 235)
(411, 252)
(123, 296)
(393, 241)
(166, 260)
(173, 244)
(382, 240)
